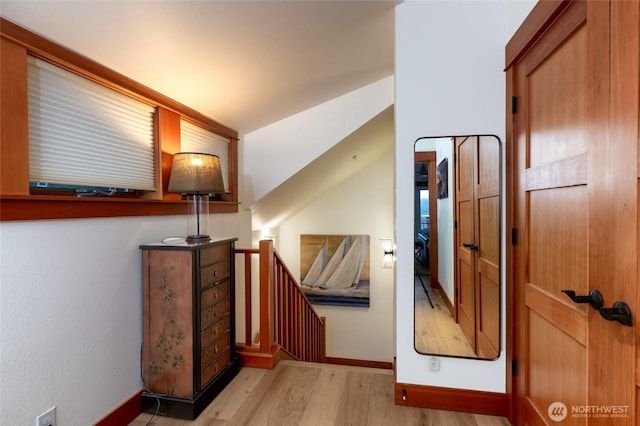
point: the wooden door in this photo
(487, 201)
(478, 241)
(466, 237)
(575, 135)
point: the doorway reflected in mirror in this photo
(457, 246)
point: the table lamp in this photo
(196, 175)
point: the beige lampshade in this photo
(196, 173)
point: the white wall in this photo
(362, 205)
(449, 81)
(71, 312)
(304, 136)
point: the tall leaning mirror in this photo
(457, 246)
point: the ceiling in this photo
(245, 64)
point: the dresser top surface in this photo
(182, 244)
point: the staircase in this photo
(288, 325)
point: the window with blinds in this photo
(83, 135)
(197, 139)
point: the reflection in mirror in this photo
(457, 246)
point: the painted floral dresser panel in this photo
(188, 300)
(168, 357)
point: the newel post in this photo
(267, 296)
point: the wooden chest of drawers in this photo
(188, 353)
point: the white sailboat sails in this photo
(317, 266)
(344, 268)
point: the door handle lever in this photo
(619, 312)
(470, 246)
(594, 298)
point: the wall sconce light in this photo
(387, 247)
(196, 175)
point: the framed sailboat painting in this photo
(334, 269)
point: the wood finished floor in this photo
(297, 393)
(435, 330)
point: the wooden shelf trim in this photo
(45, 207)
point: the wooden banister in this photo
(288, 321)
(267, 290)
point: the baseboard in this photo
(447, 302)
(479, 402)
(359, 363)
(125, 413)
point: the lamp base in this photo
(197, 238)
(198, 218)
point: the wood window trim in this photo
(16, 203)
(430, 158)
(15, 208)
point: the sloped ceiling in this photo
(245, 64)
(351, 155)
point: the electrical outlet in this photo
(434, 363)
(48, 418)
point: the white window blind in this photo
(82, 133)
(196, 139)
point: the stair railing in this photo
(287, 320)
